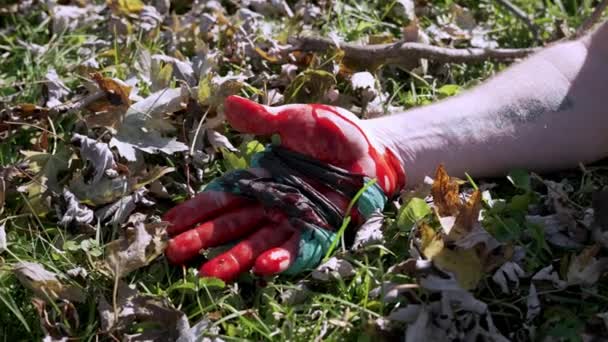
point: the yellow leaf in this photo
(465, 264)
(265, 55)
(429, 238)
(204, 89)
(126, 6)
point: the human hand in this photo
(271, 243)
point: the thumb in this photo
(247, 116)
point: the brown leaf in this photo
(585, 269)
(109, 110)
(142, 244)
(266, 56)
(30, 111)
(45, 284)
(445, 193)
(466, 219)
(117, 93)
(165, 323)
(53, 319)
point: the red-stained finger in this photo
(278, 259)
(247, 116)
(240, 258)
(225, 228)
(202, 207)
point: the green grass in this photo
(252, 309)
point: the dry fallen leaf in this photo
(468, 216)
(108, 190)
(464, 263)
(549, 274)
(445, 193)
(118, 212)
(58, 320)
(585, 269)
(164, 323)
(145, 121)
(74, 212)
(95, 152)
(532, 303)
(141, 244)
(56, 89)
(333, 268)
(2, 238)
(110, 109)
(508, 272)
(370, 231)
(45, 284)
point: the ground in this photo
(82, 187)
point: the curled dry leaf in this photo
(108, 190)
(466, 219)
(365, 82)
(137, 248)
(445, 193)
(333, 268)
(297, 294)
(2, 238)
(557, 229)
(45, 284)
(74, 212)
(53, 319)
(585, 269)
(532, 303)
(67, 18)
(201, 328)
(109, 110)
(119, 211)
(95, 152)
(164, 323)
(370, 232)
(549, 274)
(390, 292)
(508, 272)
(56, 89)
(457, 315)
(47, 168)
(2, 193)
(218, 140)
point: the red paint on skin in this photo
(278, 259)
(240, 258)
(203, 206)
(220, 230)
(383, 170)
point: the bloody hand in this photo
(270, 243)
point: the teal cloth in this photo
(314, 243)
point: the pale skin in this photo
(545, 113)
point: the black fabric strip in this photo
(287, 190)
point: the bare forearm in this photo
(544, 113)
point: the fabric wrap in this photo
(308, 210)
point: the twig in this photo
(400, 53)
(523, 16)
(591, 20)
